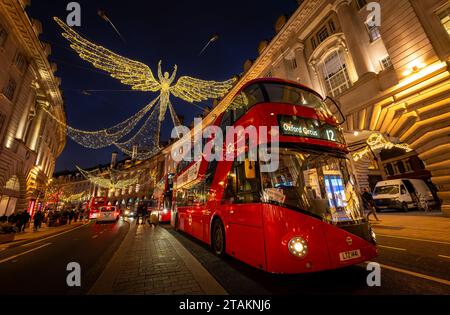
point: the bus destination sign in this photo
(308, 128)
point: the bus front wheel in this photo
(218, 238)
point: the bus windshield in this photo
(317, 183)
(273, 92)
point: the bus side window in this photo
(247, 187)
(229, 195)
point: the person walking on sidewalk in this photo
(37, 220)
(369, 204)
(25, 219)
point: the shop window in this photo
(389, 169)
(408, 167)
(401, 167)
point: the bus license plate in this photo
(353, 254)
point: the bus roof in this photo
(277, 80)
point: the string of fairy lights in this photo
(377, 141)
(145, 143)
(108, 182)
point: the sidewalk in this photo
(431, 226)
(150, 261)
(30, 236)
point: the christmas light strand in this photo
(377, 141)
(140, 77)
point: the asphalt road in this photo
(408, 267)
(40, 267)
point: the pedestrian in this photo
(138, 214)
(17, 220)
(25, 220)
(369, 204)
(144, 211)
(71, 216)
(76, 216)
(37, 220)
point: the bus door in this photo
(243, 213)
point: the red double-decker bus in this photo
(94, 206)
(305, 215)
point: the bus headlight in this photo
(298, 247)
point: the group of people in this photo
(20, 220)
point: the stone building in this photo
(30, 142)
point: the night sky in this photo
(173, 31)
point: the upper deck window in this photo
(274, 92)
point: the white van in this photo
(402, 194)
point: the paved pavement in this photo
(151, 261)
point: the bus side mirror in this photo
(329, 100)
(250, 171)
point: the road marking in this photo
(416, 274)
(390, 247)
(414, 239)
(443, 256)
(59, 234)
(24, 253)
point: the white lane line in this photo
(416, 274)
(443, 256)
(24, 253)
(394, 248)
(414, 239)
(59, 234)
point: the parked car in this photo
(107, 214)
(402, 194)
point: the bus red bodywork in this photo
(308, 216)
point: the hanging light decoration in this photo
(377, 141)
(140, 77)
(108, 183)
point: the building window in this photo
(21, 62)
(269, 74)
(3, 36)
(292, 63)
(386, 63)
(10, 89)
(335, 74)
(408, 167)
(313, 43)
(374, 32)
(332, 27)
(401, 167)
(361, 4)
(444, 16)
(322, 34)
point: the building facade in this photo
(30, 141)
